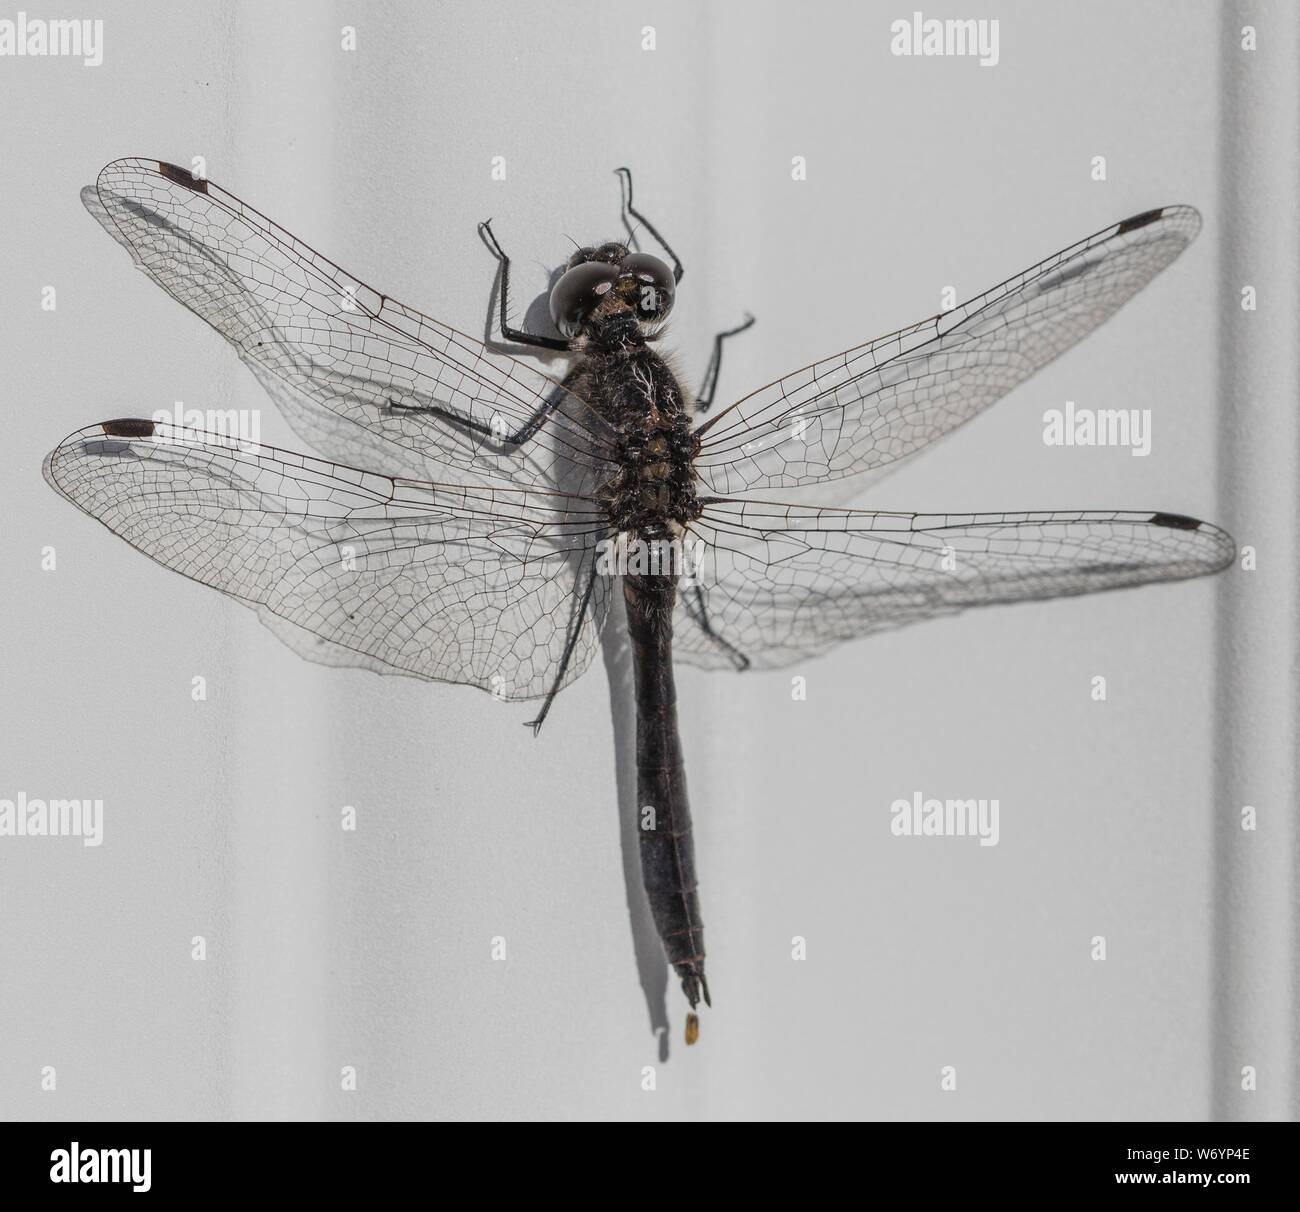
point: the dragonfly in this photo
(472, 519)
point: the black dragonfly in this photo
(473, 518)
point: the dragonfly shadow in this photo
(652, 972)
(537, 320)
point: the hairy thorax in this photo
(652, 495)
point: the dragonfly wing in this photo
(835, 423)
(352, 369)
(778, 583)
(443, 582)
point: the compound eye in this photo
(578, 292)
(655, 279)
(651, 270)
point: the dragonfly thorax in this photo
(654, 490)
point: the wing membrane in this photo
(441, 582)
(336, 355)
(783, 582)
(839, 420)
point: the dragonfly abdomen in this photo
(664, 814)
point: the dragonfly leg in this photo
(693, 599)
(628, 209)
(517, 335)
(575, 629)
(704, 398)
(524, 433)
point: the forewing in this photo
(836, 422)
(481, 586)
(355, 372)
(778, 583)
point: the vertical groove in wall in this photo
(281, 84)
(1254, 974)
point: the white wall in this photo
(372, 949)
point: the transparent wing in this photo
(358, 375)
(841, 419)
(482, 586)
(782, 582)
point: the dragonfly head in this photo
(607, 281)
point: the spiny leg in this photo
(575, 629)
(628, 209)
(534, 423)
(517, 335)
(704, 400)
(524, 433)
(693, 600)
